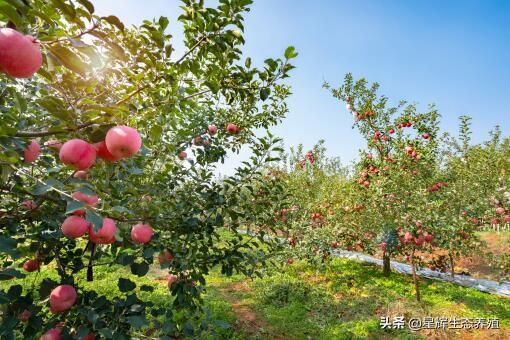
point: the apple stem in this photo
(90, 269)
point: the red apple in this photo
(506, 218)
(212, 129)
(106, 234)
(123, 141)
(500, 210)
(290, 261)
(62, 298)
(89, 336)
(183, 155)
(31, 153)
(141, 233)
(171, 280)
(429, 238)
(165, 256)
(408, 237)
(425, 136)
(31, 265)
(81, 174)
(102, 151)
(232, 128)
(53, 144)
(78, 153)
(74, 226)
(391, 131)
(25, 315)
(28, 205)
(334, 244)
(383, 246)
(88, 200)
(20, 55)
(52, 334)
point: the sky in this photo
(454, 54)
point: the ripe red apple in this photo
(500, 210)
(102, 151)
(212, 129)
(506, 218)
(106, 234)
(165, 256)
(25, 315)
(495, 220)
(408, 237)
(377, 135)
(88, 200)
(28, 205)
(32, 151)
(198, 141)
(31, 265)
(232, 128)
(391, 131)
(81, 174)
(52, 334)
(78, 153)
(123, 141)
(62, 298)
(334, 244)
(20, 55)
(89, 336)
(53, 144)
(425, 136)
(141, 233)
(429, 238)
(183, 155)
(290, 261)
(171, 280)
(74, 226)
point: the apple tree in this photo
(110, 141)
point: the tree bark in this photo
(90, 269)
(386, 265)
(415, 279)
(452, 265)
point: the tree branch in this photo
(54, 132)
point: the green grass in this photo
(344, 301)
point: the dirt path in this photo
(248, 320)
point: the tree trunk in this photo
(452, 265)
(386, 265)
(90, 269)
(415, 279)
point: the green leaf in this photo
(290, 52)
(45, 288)
(137, 321)
(146, 288)
(95, 219)
(264, 93)
(10, 273)
(72, 206)
(15, 291)
(8, 246)
(69, 59)
(126, 285)
(11, 13)
(112, 19)
(139, 269)
(125, 259)
(88, 5)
